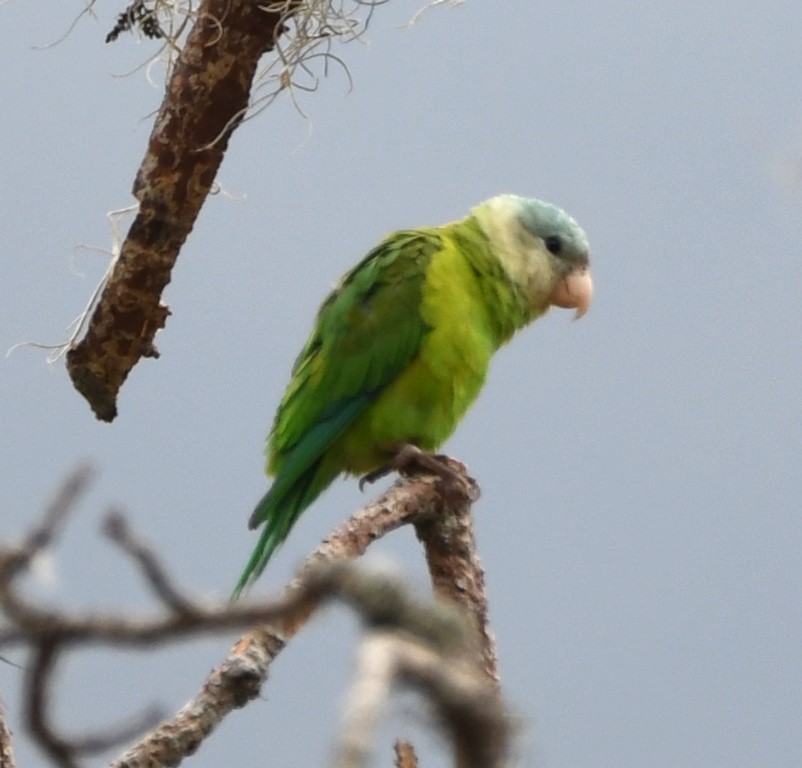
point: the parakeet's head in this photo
(542, 249)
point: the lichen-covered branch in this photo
(206, 98)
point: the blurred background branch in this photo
(6, 745)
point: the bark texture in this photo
(205, 100)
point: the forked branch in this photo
(438, 649)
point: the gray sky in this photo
(640, 521)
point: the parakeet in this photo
(401, 347)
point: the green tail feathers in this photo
(279, 510)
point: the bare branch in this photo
(6, 743)
(205, 100)
(384, 602)
(455, 568)
(468, 703)
(50, 633)
(373, 679)
(39, 674)
(405, 756)
(117, 529)
(384, 605)
(252, 655)
(17, 559)
(230, 686)
(44, 629)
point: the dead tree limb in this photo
(205, 100)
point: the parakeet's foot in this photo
(411, 460)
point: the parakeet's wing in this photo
(366, 333)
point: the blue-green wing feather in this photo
(291, 494)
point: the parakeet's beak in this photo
(574, 291)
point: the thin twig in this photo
(17, 559)
(38, 675)
(117, 529)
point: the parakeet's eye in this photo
(554, 244)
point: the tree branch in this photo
(455, 568)
(444, 521)
(6, 744)
(254, 652)
(406, 501)
(405, 756)
(205, 100)
(468, 703)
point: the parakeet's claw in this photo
(377, 474)
(454, 482)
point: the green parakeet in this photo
(401, 347)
